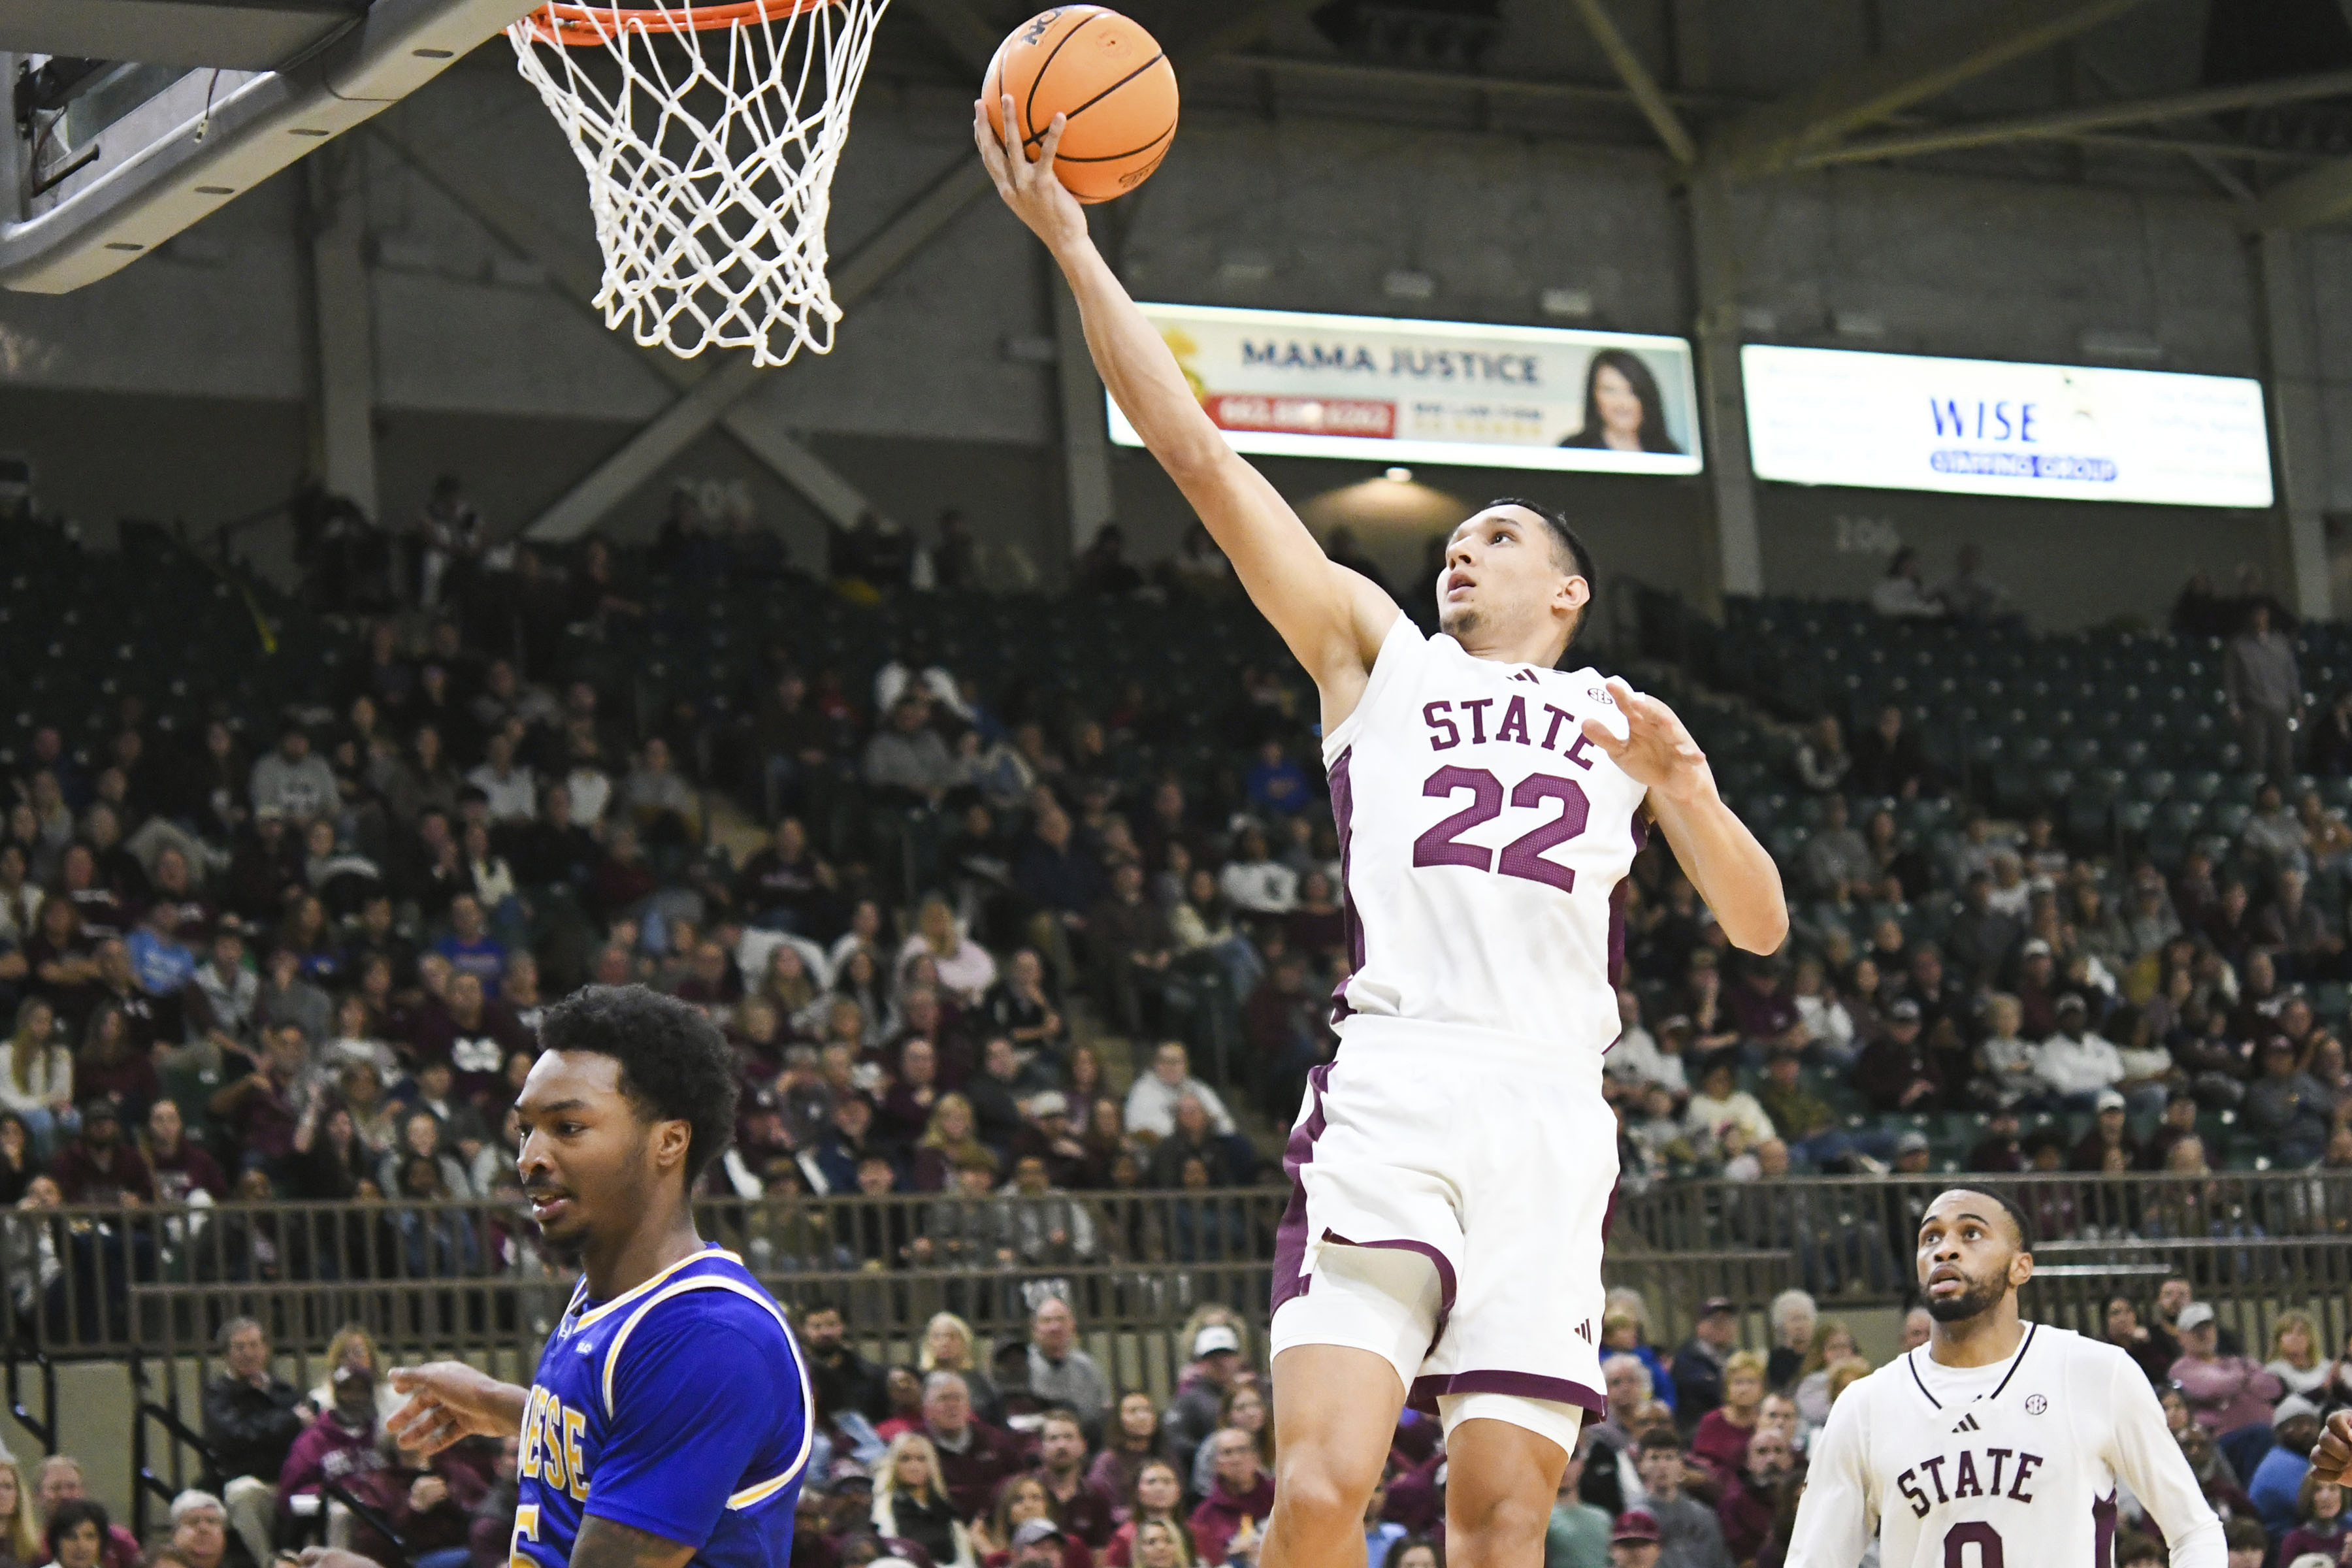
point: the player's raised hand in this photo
(2331, 1459)
(1656, 751)
(448, 1400)
(1029, 186)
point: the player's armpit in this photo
(605, 1545)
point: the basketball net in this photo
(708, 135)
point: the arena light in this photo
(1399, 476)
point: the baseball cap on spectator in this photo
(1715, 1305)
(1912, 1143)
(2278, 1043)
(1214, 1338)
(2292, 1405)
(848, 1472)
(2071, 1003)
(2195, 1315)
(2109, 1100)
(189, 1501)
(1635, 1524)
(1033, 1531)
(1052, 1103)
(2037, 948)
(1905, 1011)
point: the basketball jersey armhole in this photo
(1403, 640)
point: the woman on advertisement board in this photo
(1622, 409)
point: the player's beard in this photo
(1458, 624)
(1980, 1296)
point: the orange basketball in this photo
(1104, 72)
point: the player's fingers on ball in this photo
(1053, 139)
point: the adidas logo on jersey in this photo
(1968, 1423)
(1584, 1330)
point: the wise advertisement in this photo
(1834, 416)
(1390, 391)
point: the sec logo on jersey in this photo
(2035, 1404)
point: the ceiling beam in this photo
(1648, 96)
(1768, 139)
(2323, 195)
(2060, 123)
(471, 185)
(709, 399)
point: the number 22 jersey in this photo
(1482, 840)
(680, 1408)
(2008, 1465)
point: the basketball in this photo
(1111, 79)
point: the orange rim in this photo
(577, 25)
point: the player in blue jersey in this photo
(670, 1418)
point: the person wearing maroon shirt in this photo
(100, 1166)
(180, 1166)
(260, 1106)
(1083, 1511)
(974, 1457)
(1243, 1492)
(1751, 1499)
(1761, 1002)
(473, 1036)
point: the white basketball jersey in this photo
(2009, 1465)
(1482, 839)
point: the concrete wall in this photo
(177, 387)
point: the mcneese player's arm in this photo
(448, 1400)
(1835, 1521)
(2152, 1466)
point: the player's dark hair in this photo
(2009, 1206)
(1564, 538)
(674, 1064)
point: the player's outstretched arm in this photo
(1732, 871)
(1332, 618)
(448, 1400)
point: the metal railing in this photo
(472, 1278)
(2255, 1243)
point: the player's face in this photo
(1969, 1255)
(1502, 575)
(589, 1159)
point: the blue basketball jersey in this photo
(680, 1408)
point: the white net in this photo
(710, 156)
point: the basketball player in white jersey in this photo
(1452, 1168)
(1999, 1443)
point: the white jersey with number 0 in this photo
(2008, 1465)
(1481, 838)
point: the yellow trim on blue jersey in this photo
(625, 1297)
(761, 1491)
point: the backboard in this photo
(130, 120)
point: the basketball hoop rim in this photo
(579, 26)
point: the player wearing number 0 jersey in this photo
(2000, 1443)
(1453, 1165)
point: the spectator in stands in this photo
(1083, 1511)
(1896, 1071)
(910, 1503)
(200, 1533)
(973, 1457)
(2264, 685)
(1062, 1373)
(102, 1166)
(1133, 952)
(340, 1445)
(1968, 595)
(1719, 1105)
(1240, 1501)
(293, 781)
(251, 1419)
(2227, 1393)
(1576, 1534)
(2107, 1144)
(1754, 1495)
(1688, 1531)
(2075, 1064)
(1821, 760)
(2151, 1347)
(2287, 1110)
(2319, 1523)
(36, 1073)
(1722, 1434)
(1888, 758)
(1902, 592)
(845, 1383)
(2276, 1486)
(1151, 1102)
(1699, 1364)
(1254, 882)
(1836, 863)
(1792, 1314)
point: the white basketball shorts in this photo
(1487, 1161)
